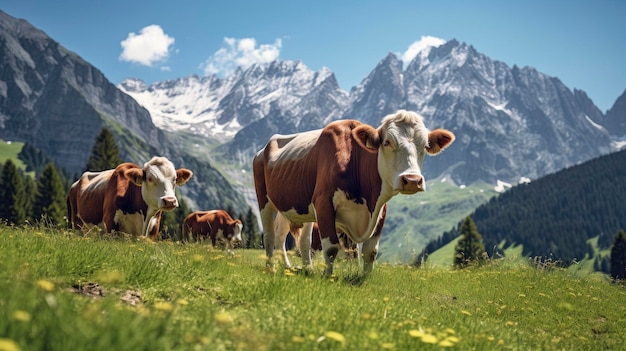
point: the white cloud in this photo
(416, 47)
(240, 53)
(148, 47)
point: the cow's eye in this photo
(387, 143)
(150, 180)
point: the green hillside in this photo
(10, 150)
(556, 217)
(414, 220)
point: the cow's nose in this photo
(411, 183)
(169, 202)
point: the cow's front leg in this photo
(230, 249)
(369, 252)
(330, 248)
(369, 249)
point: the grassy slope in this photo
(414, 220)
(9, 150)
(196, 298)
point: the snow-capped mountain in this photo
(510, 122)
(216, 107)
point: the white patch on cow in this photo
(295, 217)
(299, 145)
(237, 232)
(351, 218)
(97, 180)
(129, 223)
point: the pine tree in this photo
(49, 203)
(105, 153)
(13, 199)
(30, 188)
(251, 233)
(618, 257)
(470, 247)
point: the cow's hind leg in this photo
(267, 220)
(281, 230)
(304, 245)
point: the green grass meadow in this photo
(62, 291)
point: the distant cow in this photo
(127, 199)
(342, 176)
(216, 224)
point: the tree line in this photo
(42, 199)
(554, 217)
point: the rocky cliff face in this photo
(56, 101)
(53, 99)
(615, 119)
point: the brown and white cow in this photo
(216, 224)
(128, 198)
(342, 176)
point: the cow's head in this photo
(158, 179)
(237, 227)
(401, 143)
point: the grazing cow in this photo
(342, 176)
(216, 224)
(127, 199)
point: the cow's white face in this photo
(401, 153)
(158, 179)
(402, 141)
(237, 232)
(159, 184)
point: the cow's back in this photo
(87, 197)
(198, 224)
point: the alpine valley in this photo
(513, 124)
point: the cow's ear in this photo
(135, 175)
(367, 137)
(182, 176)
(438, 140)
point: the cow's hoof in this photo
(270, 267)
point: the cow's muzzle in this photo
(168, 203)
(411, 183)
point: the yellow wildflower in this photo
(446, 343)
(223, 318)
(45, 285)
(8, 345)
(298, 339)
(335, 336)
(416, 333)
(164, 306)
(21, 316)
(429, 339)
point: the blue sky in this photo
(583, 43)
